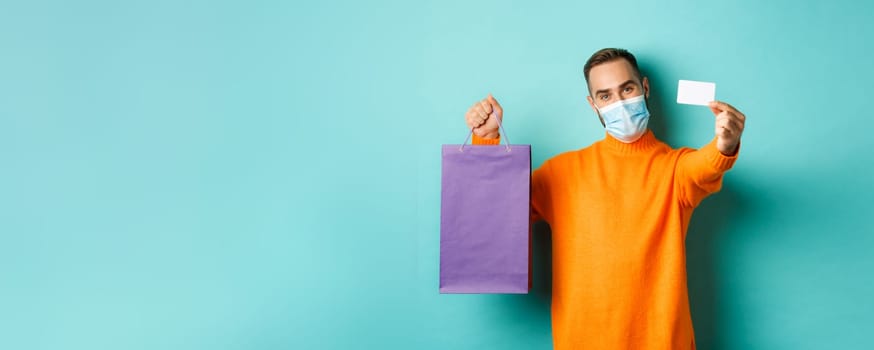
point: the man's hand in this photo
(729, 127)
(479, 119)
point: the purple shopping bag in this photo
(485, 237)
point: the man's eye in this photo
(629, 89)
(605, 97)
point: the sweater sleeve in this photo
(700, 172)
(481, 141)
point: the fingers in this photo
(479, 113)
(729, 121)
(725, 127)
(482, 114)
(472, 118)
(486, 106)
(718, 106)
(729, 126)
(469, 120)
(497, 106)
(713, 108)
(476, 115)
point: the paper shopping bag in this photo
(485, 240)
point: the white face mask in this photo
(626, 120)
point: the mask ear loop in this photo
(599, 114)
(500, 127)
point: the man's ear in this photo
(646, 86)
(592, 104)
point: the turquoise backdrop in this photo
(266, 174)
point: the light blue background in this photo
(265, 175)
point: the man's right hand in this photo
(480, 117)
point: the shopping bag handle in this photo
(500, 126)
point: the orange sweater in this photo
(619, 214)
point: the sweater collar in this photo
(645, 142)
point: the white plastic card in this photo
(696, 92)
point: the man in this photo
(619, 210)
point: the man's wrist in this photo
(491, 135)
(732, 151)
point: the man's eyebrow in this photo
(620, 85)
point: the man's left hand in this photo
(729, 127)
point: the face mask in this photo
(626, 119)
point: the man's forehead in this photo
(610, 75)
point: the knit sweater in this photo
(619, 213)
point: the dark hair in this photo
(608, 55)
